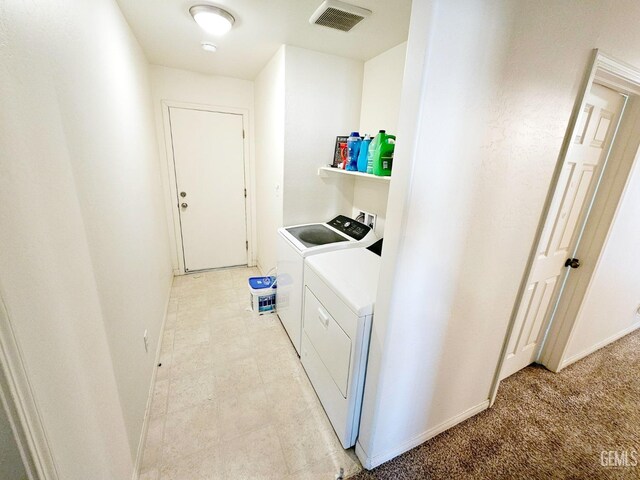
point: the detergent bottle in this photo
(383, 156)
(364, 151)
(372, 149)
(353, 149)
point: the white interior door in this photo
(580, 173)
(208, 155)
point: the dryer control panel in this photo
(350, 227)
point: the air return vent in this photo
(338, 15)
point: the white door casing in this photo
(209, 167)
(574, 191)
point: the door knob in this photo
(572, 262)
(184, 205)
(183, 194)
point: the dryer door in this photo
(331, 343)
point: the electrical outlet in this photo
(146, 341)
(367, 218)
(371, 220)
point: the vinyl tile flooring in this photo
(231, 399)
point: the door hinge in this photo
(245, 193)
(246, 244)
(242, 133)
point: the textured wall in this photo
(84, 263)
(499, 85)
(318, 107)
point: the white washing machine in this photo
(340, 291)
(297, 242)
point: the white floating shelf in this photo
(329, 171)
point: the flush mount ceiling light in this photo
(212, 19)
(208, 47)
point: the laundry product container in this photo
(263, 294)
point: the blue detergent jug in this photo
(364, 151)
(353, 149)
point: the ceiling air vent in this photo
(338, 15)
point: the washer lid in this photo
(315, 234)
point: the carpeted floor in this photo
(543, 425)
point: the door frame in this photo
(18, 400)
(171, 193)
(619, 76)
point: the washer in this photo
(340, 291)
(297, 242)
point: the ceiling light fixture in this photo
(212, 19)
(208, 47)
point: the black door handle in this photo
(572, 262)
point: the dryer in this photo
(340, 292)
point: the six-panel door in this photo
(575, 189)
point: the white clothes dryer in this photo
(340, 293)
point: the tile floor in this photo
(231, 399)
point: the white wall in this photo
(322, 100)
(84, 264)
(175, 85)
(611, 305)
(381, 90)
(500, 81)
(269, 106)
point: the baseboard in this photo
(363, 456)
(598, 346)
(372, 462)
(145, 423)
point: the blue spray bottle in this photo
(362, 156)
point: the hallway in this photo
(231, 398)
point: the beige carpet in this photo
(543, 426)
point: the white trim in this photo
(577, 108)
(145, 424)
(552, 355)
(628, 74)
(372, 462)
(560, 333)
(625, 79)
(171, 193)
(23, 412)
(8, 407)
(616, 336)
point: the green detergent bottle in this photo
(372, 150)
(383, 156)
